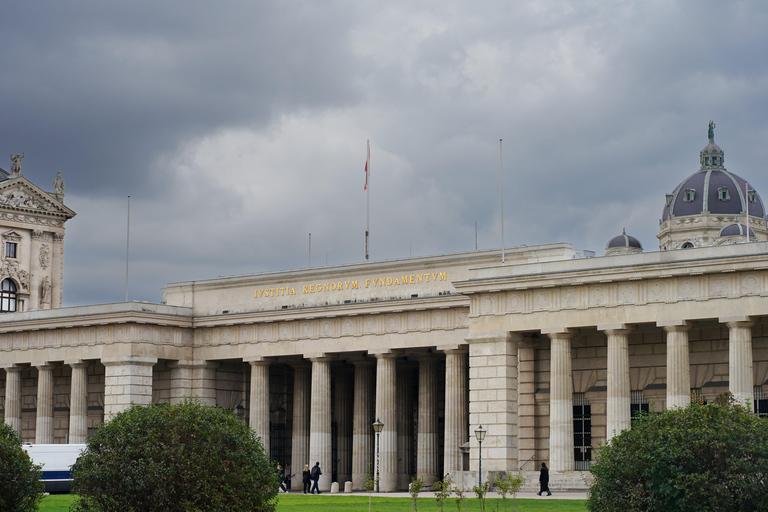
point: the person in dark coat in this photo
(544, 480)
(305, 478)
(315, 474)
(281, 476)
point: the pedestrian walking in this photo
(306, 478)
(281, 476)
(544, 480)
(315, 474)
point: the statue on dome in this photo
(711, 132)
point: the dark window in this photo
(7, 296)
(582, 431)
(706, 160)
(638, 403)
(690, 195)
(761, 402)
(723, 194)
(10, 249)
(697, 397)
(687, 245)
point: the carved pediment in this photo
(22, 195)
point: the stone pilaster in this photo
(526, 403)
(300, 434)
(740, 378)
(363, 418)
(386, 411)
(78, 403)
(561, 403)
(259, 410)
(493, 397)
(36, 274)
(343, 415)
(126, 380)
(44, 420)
(193, 379)
(456, 426)
(678, 366)
(618, 413)
(320, 420)
(57, 269)
(13, 397)
(427, 439)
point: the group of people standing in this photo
(309, 478)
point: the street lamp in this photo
(480, 435)
(378, 426)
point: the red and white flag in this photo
(367, 166)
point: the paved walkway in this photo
(560, 495)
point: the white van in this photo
(57, 461)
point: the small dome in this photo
(736, 230)
(623, 244)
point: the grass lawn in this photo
(300, 502)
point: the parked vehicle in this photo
(57, 461)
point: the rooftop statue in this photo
(58, 184)
(711, 132)
(16, 165)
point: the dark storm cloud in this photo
(240, 128)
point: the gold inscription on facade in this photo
(374, 282)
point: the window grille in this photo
(761, 402)
(582, 431)
(637, 403)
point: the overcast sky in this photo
(238, 128)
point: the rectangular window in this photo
(582, 431)
(10, 249)
(761, 402)
(637, 403)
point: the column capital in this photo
(76, 363)
(361, 361)
(142, 361)
(675, 325)
(560, 333)
(44, 365)
(13, 367)
(493, 336)
(299, 364)
(386, 355)
(737, 321)
(616, 328)
(463, 349)
(319, 358)
(261, 361)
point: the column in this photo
(561, 403)
(456, 417)
(78, 403)
(740, 378)
(127, 380)
(362, 427)
(193, 379)
(618, 413)
(678, 367)
(427, 440)
(386, 411)
(44, 420)
(493, 399)
(259, 407)
(404, 425)
(300, 433)
(342, 410)
(526, 403)
(320, 420)
(13, 397)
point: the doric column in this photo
(13, 397)
(342, 406)
(427, 440)
(404, 425)
(320, 420)
(456, 416)
(259, 411)
(44, 420)
(126, 380)
(493, 399)
(386, 411)
(363, 418)
(561, 402)
(193, 379)
(678, 366)
(618, 413)
(78, 403)
(300, 433)
(740, 378)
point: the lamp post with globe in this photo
(378, 426)
(480, 434)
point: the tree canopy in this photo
(185, 457)
(20, 485)
(701, 458)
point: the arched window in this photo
(7, 296)
(687, 245)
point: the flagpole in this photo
(746, 207)
(501, 175)
(367, 198)
(127, 247)
(310, 250)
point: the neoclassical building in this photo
(551, 352)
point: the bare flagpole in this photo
(310, 250)
(501, 174)
(367, 198)
(127, 247)
(746, 208)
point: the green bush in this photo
(186, 457)
(20, 485)
(702, 458)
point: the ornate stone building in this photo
(550, 352)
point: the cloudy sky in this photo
(238, 128)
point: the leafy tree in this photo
(509, 484)
(701, 458)
(20, 487)
(442, 490)
(417, 484)
(185, 457)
